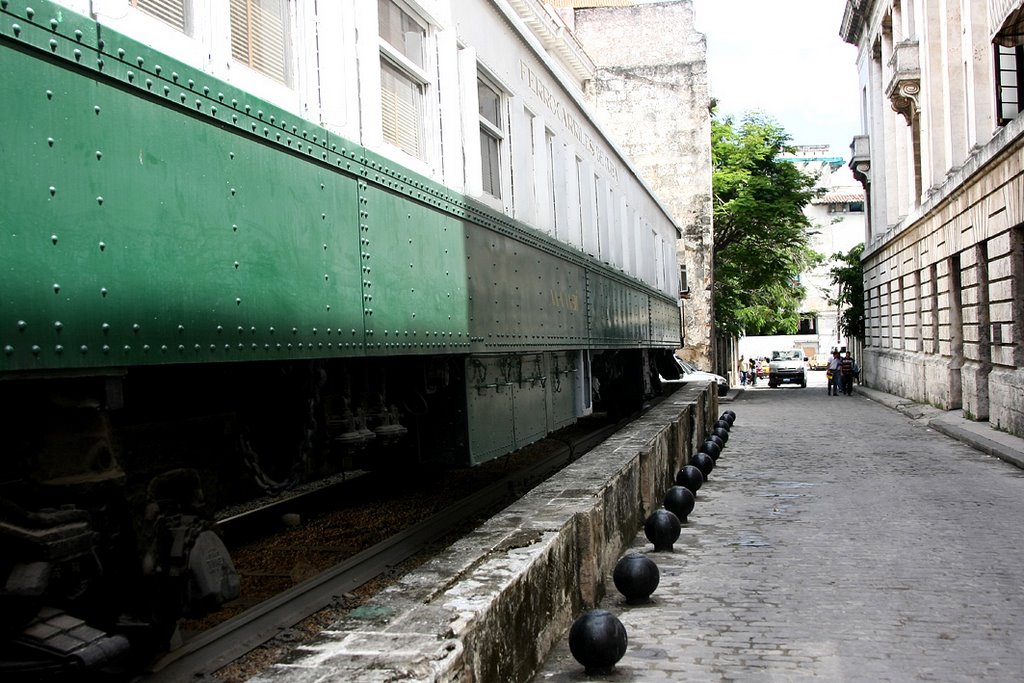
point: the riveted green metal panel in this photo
(620, 316)
(153, 74)
(54, 30)
(134, 234)
(163, 216)
(523, 297)
(413, 277)
(666, 330)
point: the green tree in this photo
(762, 237)
(848, 276)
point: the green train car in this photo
(205, 296)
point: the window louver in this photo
(259, 36)
(171, 12)
(400, 109)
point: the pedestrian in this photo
(846, 373)
(833, 374)
(744, 370)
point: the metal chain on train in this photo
(317, 380)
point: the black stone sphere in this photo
(730, 416)
(662, 528)
(703, 462)
(711, 448)
(723, 424)
(680, 501)
(718, 440)
(597, 640)
(722, 434)
(636, 576)
(690, 477)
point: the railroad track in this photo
(198, 658)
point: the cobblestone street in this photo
(840, 540)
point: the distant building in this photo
(941, 159)
(837, 217)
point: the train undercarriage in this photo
(112, 484)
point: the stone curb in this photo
(979, 442)
(1004, 446)
(491, 607)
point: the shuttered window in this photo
(175, 13)
(259, 36)
(403, 82)
(492, 134)
(401, 110)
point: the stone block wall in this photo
(944, 294)
(1006, 394)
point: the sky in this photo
(784, 58)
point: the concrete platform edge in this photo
(491, 607)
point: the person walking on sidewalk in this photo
(833, 374)
(846, 373)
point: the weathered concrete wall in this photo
(923, 378)
(651, 93)
(491, 607)
(1006, 391)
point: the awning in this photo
(1007, 17)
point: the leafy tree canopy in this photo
(762, 237)
(848, 276)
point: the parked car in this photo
(819, 363)
(691, 373)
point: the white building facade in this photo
(940, 158)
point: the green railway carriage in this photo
(156, 216)
(196, 283)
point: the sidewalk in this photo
(952, 423)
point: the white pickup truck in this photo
(787, 366)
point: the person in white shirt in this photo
(833, 374)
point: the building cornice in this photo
(854, 19)
(555, 36)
